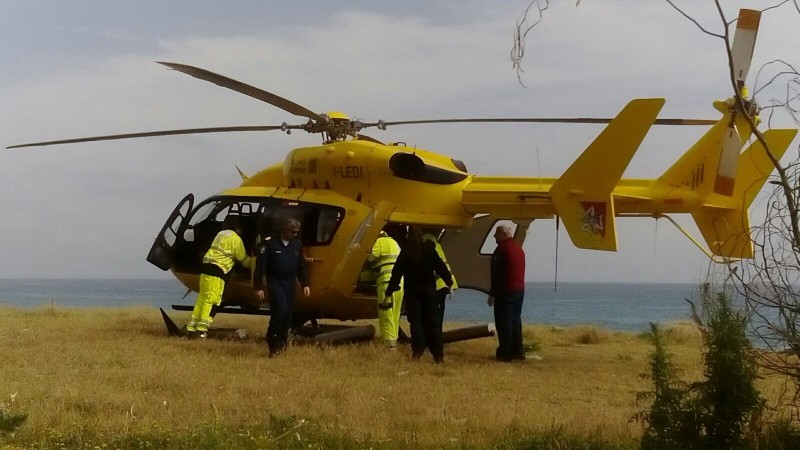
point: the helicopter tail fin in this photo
(582, 195)
(723, 220)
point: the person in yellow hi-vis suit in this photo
(441, 288)
(225, 250)
(381, 261)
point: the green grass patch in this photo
(10, 421)
(294, 433)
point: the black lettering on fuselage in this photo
(298, 166)
(348, 171)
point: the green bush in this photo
(670, 421)
(724, 411)
(10, 421)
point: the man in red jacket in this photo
(507, 292)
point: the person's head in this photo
(432, 231)
(414, 234)
(234, 223)
(290, 228)
(502, 232)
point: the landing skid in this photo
(332, 334)
(213, 333)
(228, 310)
(316, 333)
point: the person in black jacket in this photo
(281, 264)
(419, 264)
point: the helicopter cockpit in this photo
(187, 237)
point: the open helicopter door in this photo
(463, 248)
(345, 277)
(161, 252)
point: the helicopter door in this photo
(466, 254)
(161, 252)
(346, 274)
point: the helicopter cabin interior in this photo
(188, 233)
(260, 219)
(187, 236)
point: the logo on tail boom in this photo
(593, 218)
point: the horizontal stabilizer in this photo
(582, 195)
(724, 221)
(755, 166)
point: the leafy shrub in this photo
(10, 421)
(722, 412)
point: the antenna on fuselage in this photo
(555, 275)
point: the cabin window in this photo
(217, 211)
(261, 217)
(319, 222)
(208, 217)
(329, 220)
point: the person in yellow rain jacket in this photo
(381, 262)
(441, 288)
(226, 249)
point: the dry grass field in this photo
(95, 377)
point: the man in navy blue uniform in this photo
(281, 264)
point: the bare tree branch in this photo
(770, 282)
(693, 20)
(521, 33)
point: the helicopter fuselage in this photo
(335, 191)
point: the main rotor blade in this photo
(744, 41)
(245, 89)
(539, 120)
(112, 137)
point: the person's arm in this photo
(397, 273)
(262, 262)
(302, 270)
(497, 271)
(440, 252)
(440, 267)
(240, 254)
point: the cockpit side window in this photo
(206, 221)
(328, 223)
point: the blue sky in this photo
(85, 68)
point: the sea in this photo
(614, 306)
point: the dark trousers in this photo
(281, 303)
(424, 319)
(508, 320)
(441, 296)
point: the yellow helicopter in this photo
(352, 186)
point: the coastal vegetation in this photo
(112, 378)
